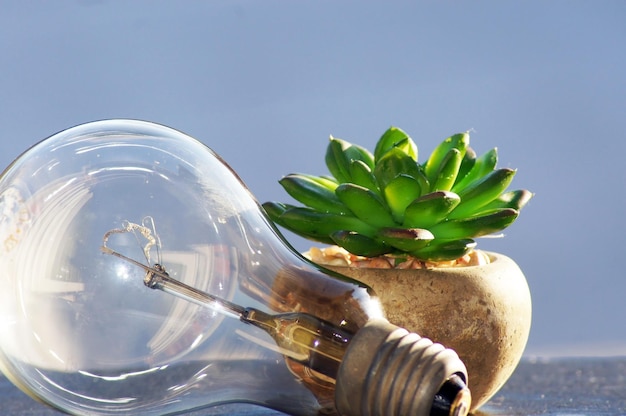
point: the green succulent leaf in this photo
(475, 226)
(275, 209)
(359, 244)
(339, 156)
(482, 166)
(355, 152)
(365, 204)
(302, 223)
(395, 163)
(362, 175)
(448, 170)
(399, 193)
(430, 209)
(405, 239)
(481, 192)
(314, 191)
(433, 165)
(513, 199)
(442, 250)
(466, 164)
(318, 225)
(336, 161)
(398, 139)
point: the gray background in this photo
(265, 83)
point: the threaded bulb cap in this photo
(388, 371)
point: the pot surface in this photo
(482, 312)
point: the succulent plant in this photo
(389, 203)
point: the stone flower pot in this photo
(483, 312)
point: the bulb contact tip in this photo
(452, 399)
(462, 403)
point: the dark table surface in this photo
(558, 386)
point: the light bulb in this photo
(138, 275)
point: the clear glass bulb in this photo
(95, 217)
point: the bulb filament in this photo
(304, 338)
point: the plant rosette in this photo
(407, 229)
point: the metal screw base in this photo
(388, 371)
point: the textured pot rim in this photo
(496, 259)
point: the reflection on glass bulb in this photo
(92, 215)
